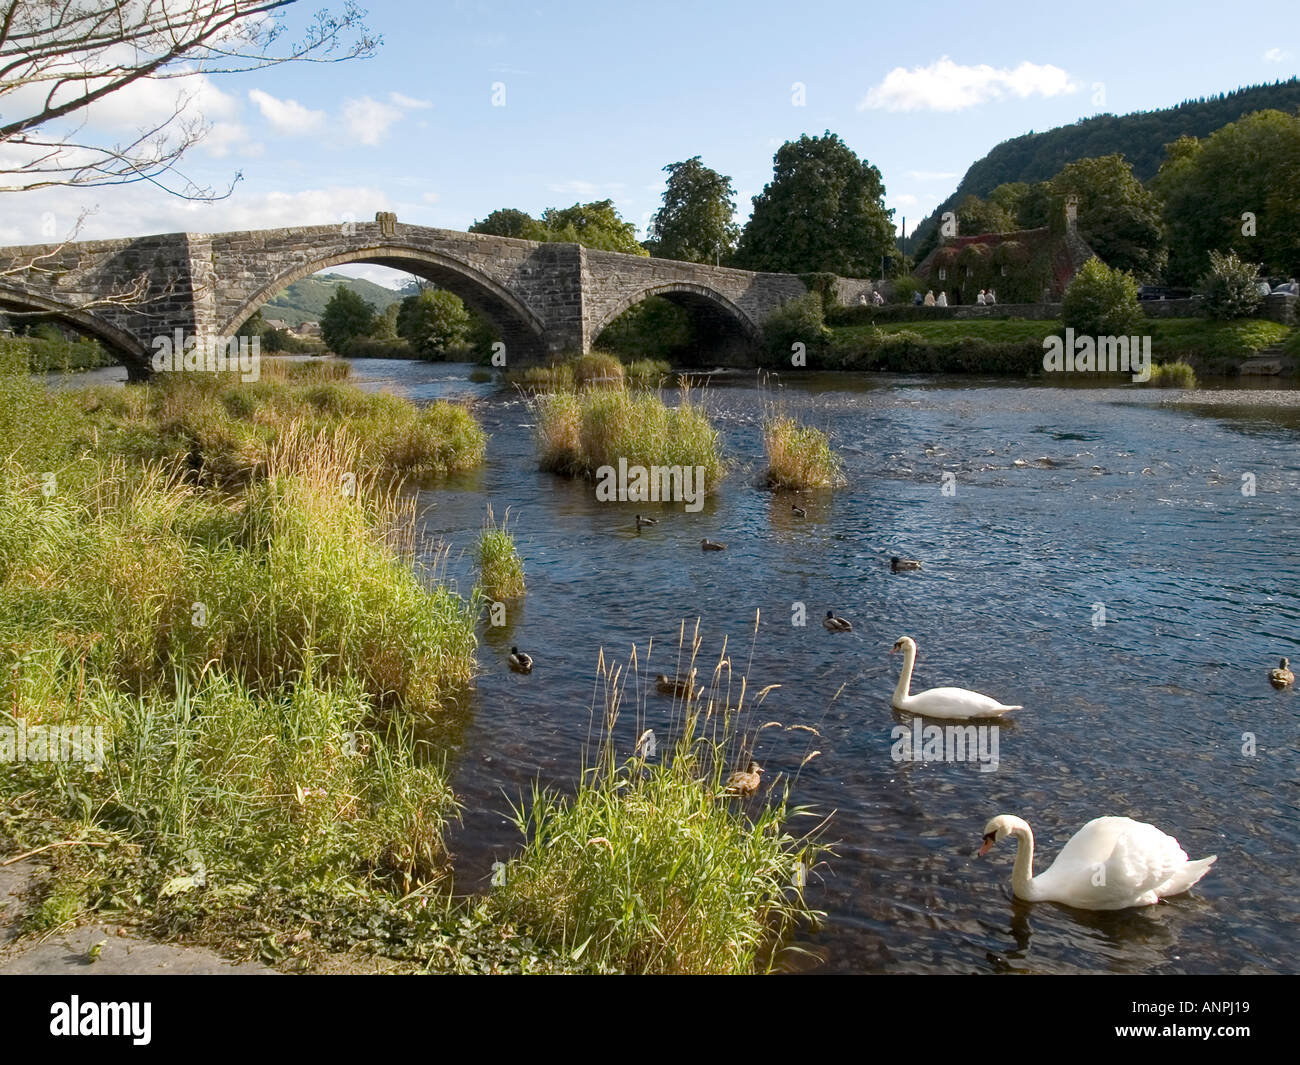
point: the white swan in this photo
(1111, 863)
(956, 704)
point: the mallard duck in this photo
(645, 521)
(836, 624)
(520, 662)
(799, 512)
(1282, 677)
(711, 545)
(900, 565)
(670, 686)
(746, 783)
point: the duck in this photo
(799, 512)
(640, 521)
(745, 783)
(1138, 864)
(1282, 677)
(520, 662)
(833, 623)
(953, 704)
(711, 545)
(673, 686)
(900, 565)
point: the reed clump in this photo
(651, 867)
(501, 570)
(799, 456)
(578, 433)
(1172, 375)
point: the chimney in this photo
(1071, 213)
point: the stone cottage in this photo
(1024, 266)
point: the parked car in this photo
(1165, 292)
(1262, 287)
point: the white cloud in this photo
(903, 199)
(368, 120)
(409, 102)
(931, 175)
(947, 86)
(226, 137)
(286, 116)
(1276, 55)
(430, 197)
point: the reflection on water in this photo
(1065, 498)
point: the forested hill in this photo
(305, 300)
(1140, 136)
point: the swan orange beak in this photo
(989, 841)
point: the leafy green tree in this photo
(1119, 217)
(433, 322)
(822, 211)
(509, 222)
(593, 225)
(347, 317)
(695, 223)
(1102, 301)
(1239, 187)
(983, 216)
(1231, 287)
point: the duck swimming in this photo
(1282, 677)
(745, 783)
(673, 686)
(520, 662)
(833, 623)
(640, 521)
(711, 545)
(901, 565)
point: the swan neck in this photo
(904, 687)
(1022, 874)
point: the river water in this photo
(1095, 560)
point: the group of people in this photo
(986, 298)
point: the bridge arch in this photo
(688, 294)
(128, 349)
(521, 329)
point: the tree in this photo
(347, 317)
(695, 223)
(1238, 187)
(57, 60)
(1102, 301)
(593, 225)
(822, 211)
(509, 222)
(1118, 216)
(433, 322)
(983, 216)
(1231, 287)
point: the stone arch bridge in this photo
(544, 299)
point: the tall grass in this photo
(1172, 375)
(223, 430)
(579, 432)
(799, 456)
(650, 867)
(501, 571)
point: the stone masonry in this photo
(544, 299)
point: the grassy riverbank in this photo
(1013, 346)
(223, 579)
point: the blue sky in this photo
(598, 97)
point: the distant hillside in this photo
(304, 301)
(1140, 136)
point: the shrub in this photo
(800, 321)
(1102, 302)
(1230, 287)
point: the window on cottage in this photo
(1004, 269)
(943, 274)
(970, 272)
